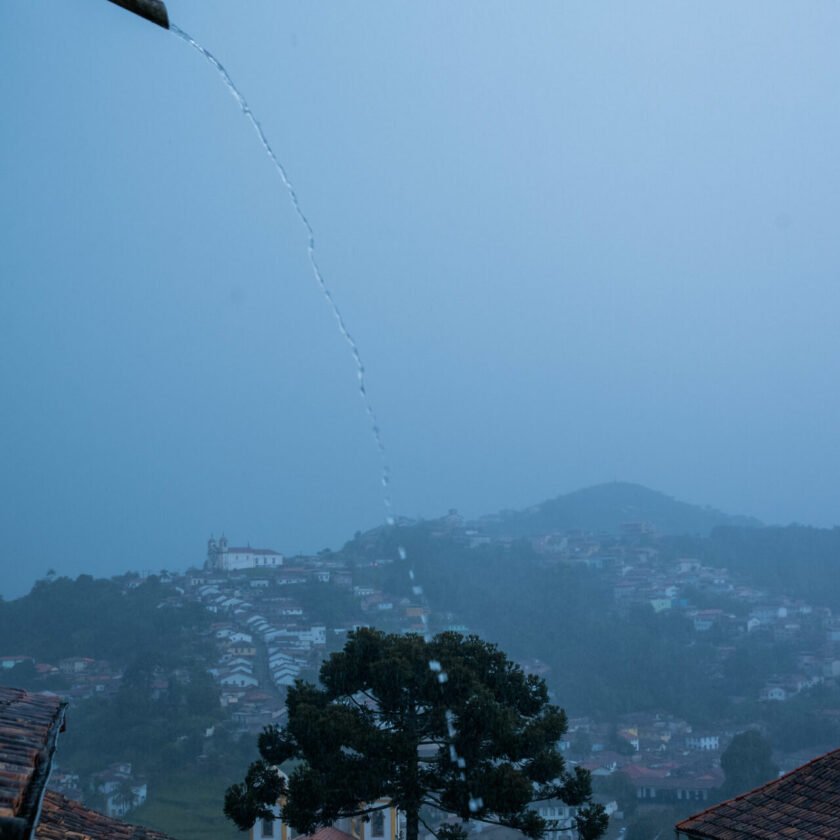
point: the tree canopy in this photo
(449, 724)
(747, 763)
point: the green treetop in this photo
(747, 763)
(450, 724)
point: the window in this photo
(377, 824)
(267, 828)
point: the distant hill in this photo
(606, 507)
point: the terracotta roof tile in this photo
(328, 833)
(63, 819)
(804, 804)
(249, 550)
(29, 726)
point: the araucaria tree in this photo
(448, 724)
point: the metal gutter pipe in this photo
(153, 10)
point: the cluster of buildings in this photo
(117, 789)
(78, 677)
(722, 610)
(666, 760)
(266, 639)
(120, 789)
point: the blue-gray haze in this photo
(574, 241)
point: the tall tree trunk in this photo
(412, 824)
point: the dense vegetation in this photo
(163, 716)
(96, 618)
(603, 662)
(154, 731)
(796, 561)
(607, 660)
(449, 724)
(606, 507)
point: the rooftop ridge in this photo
(63, 818)
(29, 727)
(699, 825)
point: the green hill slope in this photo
(606, 507)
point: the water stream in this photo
(385, 476)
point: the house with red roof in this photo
(674, 783)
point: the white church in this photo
(225, 558)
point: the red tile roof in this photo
(675, 778)
(29, 726)
(328, 833)
(62, 818)
(803, 804)
(249, 550)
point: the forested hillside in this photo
(607, 656)
(101, 619)
(798, 561)
(714, 633)
(607, 507)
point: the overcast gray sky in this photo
(574, 241)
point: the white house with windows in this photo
(560, 818)
(226, 558)
(702, 741)
(121, 791)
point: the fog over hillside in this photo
(572, 246)
(607, 507)
(602, 508)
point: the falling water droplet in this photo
(475, 804)
(326, 292)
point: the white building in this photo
(560, 818)
(239, 680)
(386, 823)
(222, 557)
(700, 741)
(121, 790)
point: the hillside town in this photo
(266, 636)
